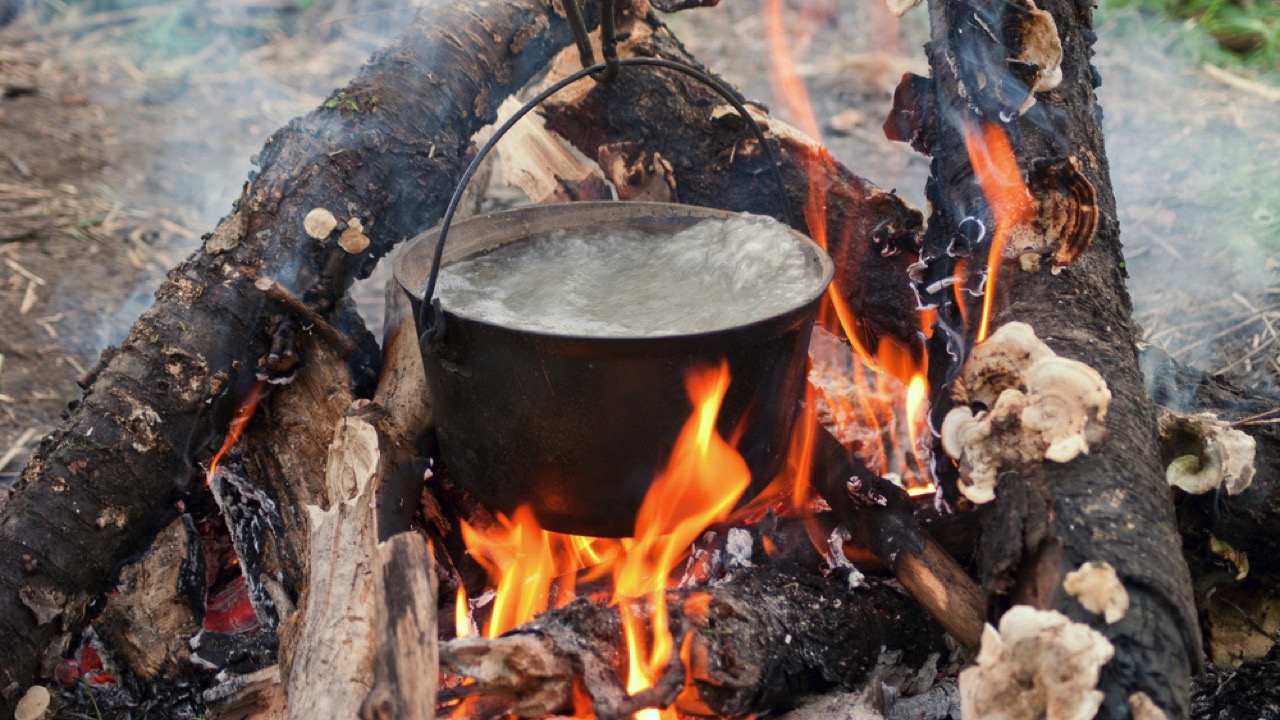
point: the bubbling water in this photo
(615, 283)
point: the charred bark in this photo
(880, 516)
(1109, 505)
(384, 151)
(650, 117)
(759, 642)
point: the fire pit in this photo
(577, 424)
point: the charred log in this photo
(384, 152)
(1111, 505)
(1244, 520)
(758, 642)
(880, 516)
(405, 661)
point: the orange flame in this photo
(996, 169)
(534, 569)
(236, 428)
(525, 563)
(702, 481)
(462, 615)
(881, 380)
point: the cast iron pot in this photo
(577, 427)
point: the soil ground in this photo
(125, 134)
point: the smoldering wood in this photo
(879, 515)
(758, 642)
(1112, 504)
(872, 235)
(259, 696)
(129, 447)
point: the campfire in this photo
(948, 492)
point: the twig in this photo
(17, 163)
(1248, 356)
(1253, 419)
(305, 315)
(25, 272)
(17, 447)
(1253, 87)
(880, 515)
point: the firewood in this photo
(149, 623)
(1240, 524)
(758, 642)
(385, 150)
(406, 668)
(879, 516)
(1110, 505)
(330, 669)
(358, 617)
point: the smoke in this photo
(1193, 161)
(188, 92)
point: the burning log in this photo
(384, 152)
(880, 516)
(1022, 72)
(758, 642)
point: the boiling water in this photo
(608, 283)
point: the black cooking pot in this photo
(577, 427)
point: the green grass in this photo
(1224, 32)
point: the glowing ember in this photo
(996, 169)
(243, 413)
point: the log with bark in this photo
(381, 157)
(1026, 70)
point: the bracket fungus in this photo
(1039, 665)
(1037, 51)
(1020, 403)
(319, 223)
(1099, 590)
(1204, 453)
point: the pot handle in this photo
(429, 313)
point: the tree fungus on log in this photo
(1012, 96)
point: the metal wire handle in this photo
(429, 323)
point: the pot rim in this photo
(552, 216)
